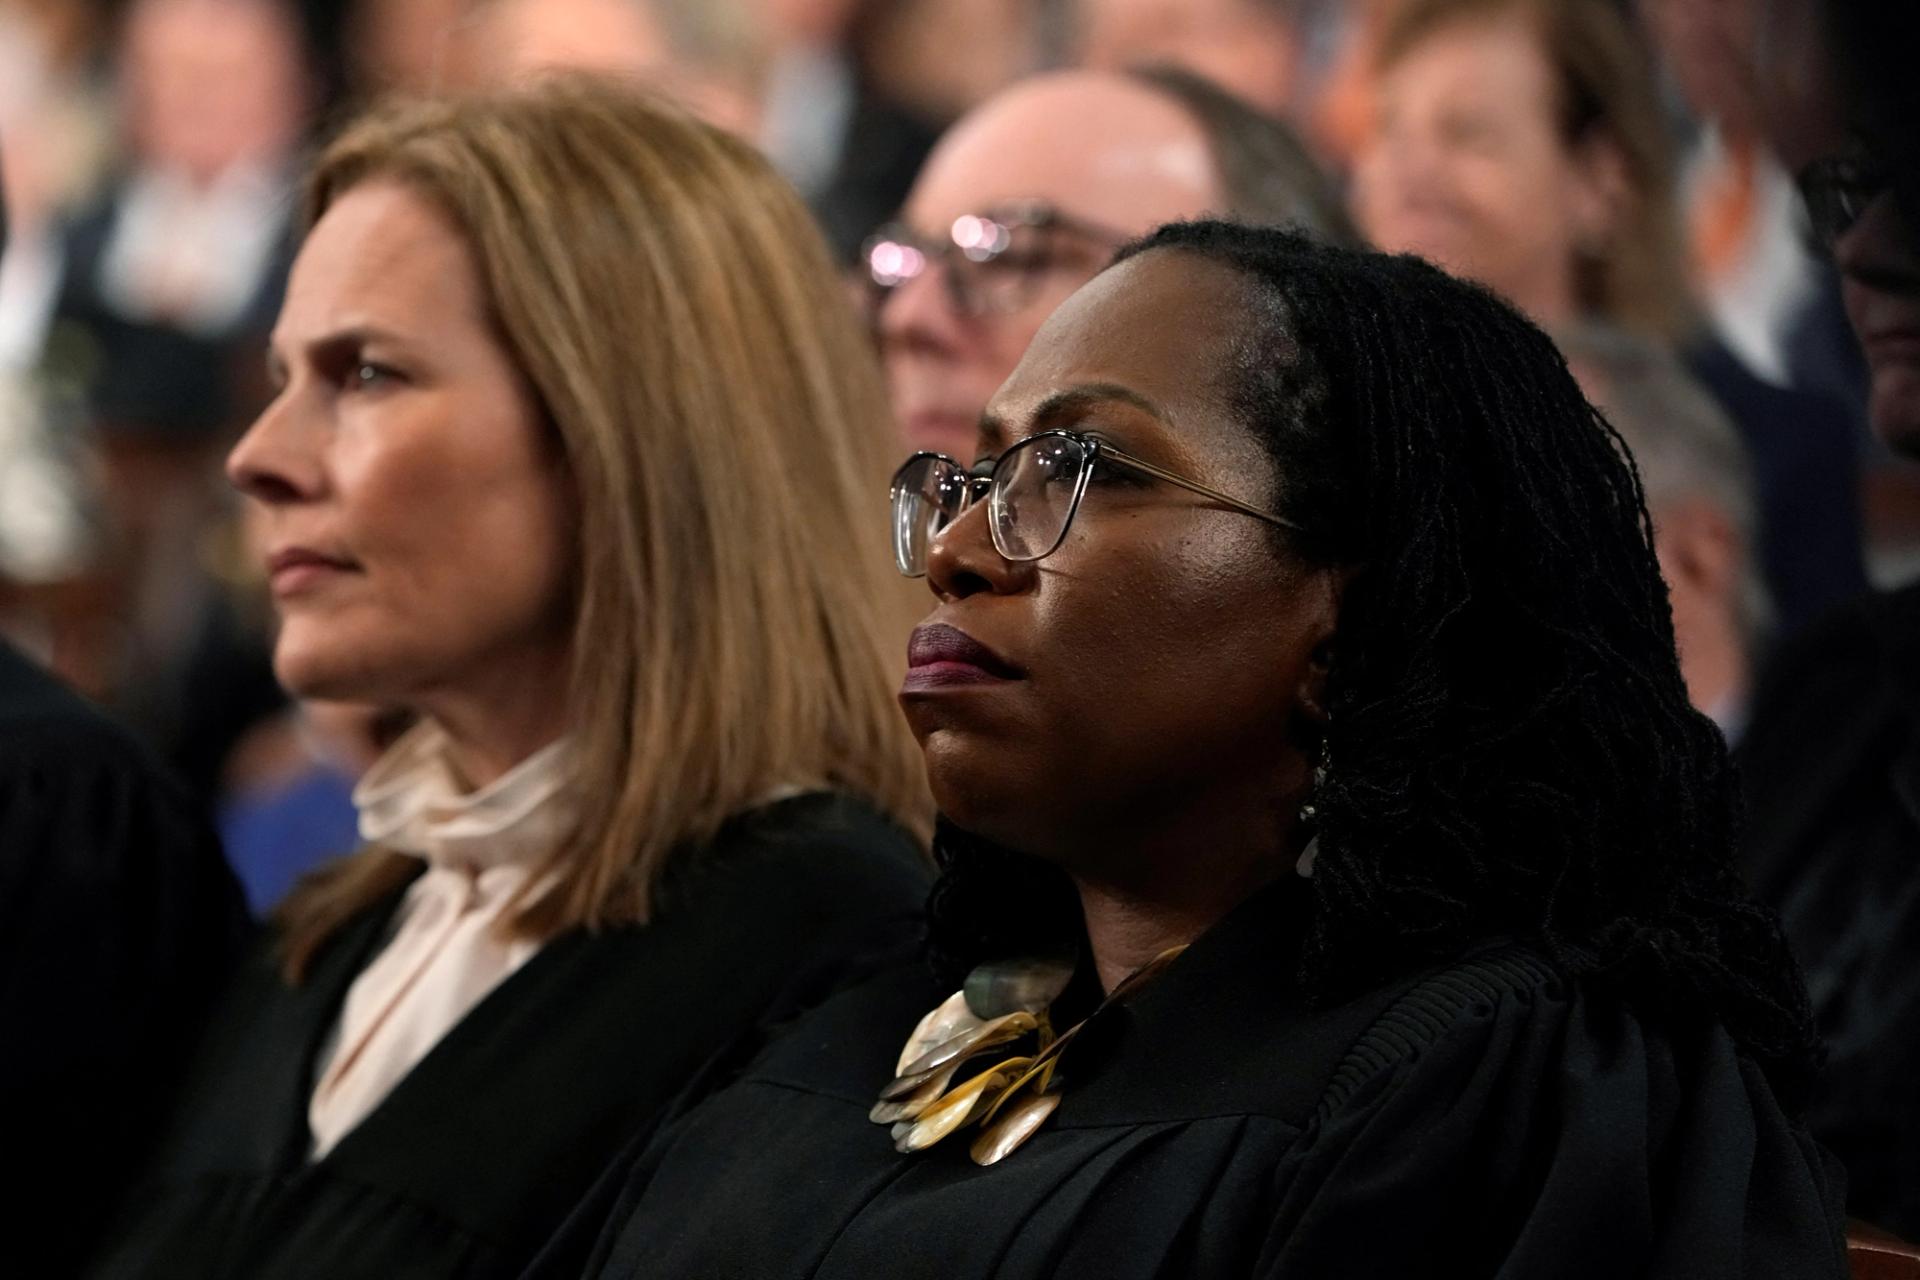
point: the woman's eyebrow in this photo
(991, 435)
(1064, 406)
(1074, 401)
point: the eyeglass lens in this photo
(1034, 488)
(929, 493)
(987, 266)
(1029, 502)
(1837, 192)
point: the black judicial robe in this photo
(1486, 1119)
(119, 925)
(479, 1153)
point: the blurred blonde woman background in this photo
(574, 453)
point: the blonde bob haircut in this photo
(739, 629)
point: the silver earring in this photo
(1322, 768)
(1310, 811)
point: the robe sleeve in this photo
(1523, 1129)
(118, 922)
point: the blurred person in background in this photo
(1027, 197)
(118, 923)
(1832, 758)
(799, 76)
(1698, 482)
(1521, 143)
(1250, 48)
(1771, 295)
(828, 123)
(169, 281)
(57, 134)
(572, 429)
(186, 663)
(1841, 102)
(1774, 296)
(412, 47)
(193, 233)
(939, 59)
(286, 802)
(1339, 113)
(47, 527)
(705, 53)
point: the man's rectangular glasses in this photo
(1837, 190)
(994, 262)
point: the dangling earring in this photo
(1310, 811)
(1322, 769)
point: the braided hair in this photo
(1512, 748)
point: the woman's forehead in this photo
(1157, 326)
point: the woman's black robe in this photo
(479, 1153)
(120, 924)
(1490, 1118)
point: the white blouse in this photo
(446, 951)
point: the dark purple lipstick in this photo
(940, 656)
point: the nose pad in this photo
(962, 559)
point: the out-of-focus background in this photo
(151, 151)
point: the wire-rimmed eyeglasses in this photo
(993, 262)
(1837, 190)
(1033, 491)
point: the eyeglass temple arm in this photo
(1193, 486)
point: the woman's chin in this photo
(990, 808)
(324, 673)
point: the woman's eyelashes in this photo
(369, 375)
(349, 365)
(1111, 474)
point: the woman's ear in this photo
(1329, 586)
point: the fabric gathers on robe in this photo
(447, 951)
(1491, 1117)
(492, 1139)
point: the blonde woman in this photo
(573, 454)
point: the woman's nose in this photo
(275, 461)
(962, 560)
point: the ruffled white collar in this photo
(411, 802)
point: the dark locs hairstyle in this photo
(1513, 752)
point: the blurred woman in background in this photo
(1521, 143)
(572, 432)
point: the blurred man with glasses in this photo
(1026, 197)
(1831, 761)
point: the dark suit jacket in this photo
(1832, 769)
(1807, 485)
